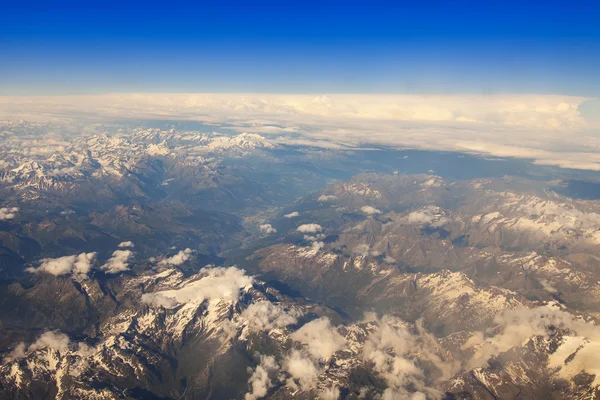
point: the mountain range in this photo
(155, 261)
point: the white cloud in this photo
(302, 370)
(119, 262)
(54, 340)
(361, 249)
(325, 198)
(401, 394)
(546, 128)
(8, 213)
(543, 111)
(316, 246)
(386, 348)
(267, 229)
(215, 283)
(547, 286)
(51, 339)
(430, 215)
(259, 381)
(178, 259)
(330, 393)
(316, 237)
(516, 327)
(420, 217)
(79, 265)
(85, 351)
(126, 244)
(293, 214)
(265, 316)
(322, 338)
(310, 228)
(18, 352)
(369, 210)
(392, 347)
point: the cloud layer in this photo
(546, 128)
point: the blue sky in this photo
(301, 47)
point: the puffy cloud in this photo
(392, 347)
(83, 350)
(547, 286)
(364, 250)
(293, 214)
(178, 259)
(316, 246)
(18, 351)
(265, 316)
(267, 229)
(386, 348)
(429, 215)
(259, 381)
(126, 244)
(119, 262)
(311, 238)
(218, 283)
(361, 249)
(310, 228)
(420, 217)
(79, 265)
(325, 198)
(316, 243)
(54, 340)
(401, 394)
(302, 370)
(8, 213)
(51, 339)
(369, 210)
(322, 339)
(330, 393)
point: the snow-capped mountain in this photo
(173, 335)
(354, 278)
(139, 162)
